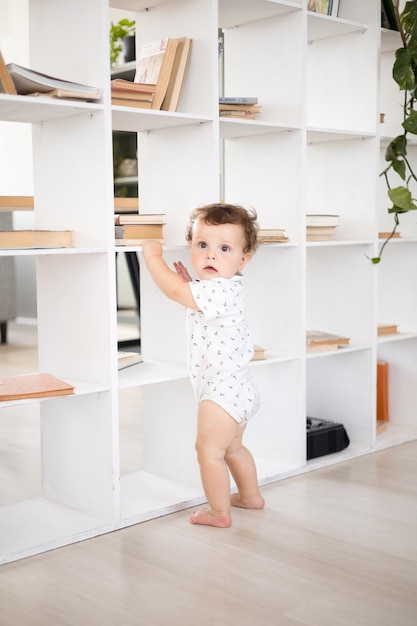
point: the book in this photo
(135, 242)
(154, 66)
(258, 353)
(35, 239)
(66, 94)
(387, 329)
(325, 347)
(139, 231)
(135, 102)
(121, 84)
(133, 95)
(239, 115)
(334, 8)
(319, 233)
(6, 83)
(238, 100)
(16, 203)
(28, 81)
(33, 386)
(317, 219)
(249, 108)
(385, 235)
(382, 413)
(271, 235)
(320, 6)
(126, 206)
(140, 218)
(387, 9)
(127, 359)
(176, 80)
(320, 338)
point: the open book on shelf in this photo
(30, 82)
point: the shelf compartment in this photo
(342, 390)
(339, 352)
(150, 372)
(325, 26)
(234, 13)
(395, 434)
(233, 129)
(36, 110)
(144, 120)
(401, 357)
(144, 495)
(38, 525)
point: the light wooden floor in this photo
(333, 547)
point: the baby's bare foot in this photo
(207, 518)
(256, 502)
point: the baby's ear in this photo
(245, 260)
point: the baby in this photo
(222, 239)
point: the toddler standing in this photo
(222, 239)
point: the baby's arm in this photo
(169, 282)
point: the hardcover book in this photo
(155, 65)
(35, 239)
(33, 386)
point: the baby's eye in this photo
(202, 244)
(225, 248)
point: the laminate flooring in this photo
(333, 547)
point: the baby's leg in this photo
(215, 431)
(243, 469)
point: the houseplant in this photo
(404, 73)
(118, 32)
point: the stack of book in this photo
(159, 78)
(127, 93)
(320, 227)
(319, 341)
(239, 107)
(272, 235)
(131, 230)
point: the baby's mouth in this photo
(210, 268)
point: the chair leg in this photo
(3, 332)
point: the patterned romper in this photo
(220, 347)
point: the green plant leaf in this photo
(397, 147)
(399, 167)
(409, 18)
(401, 199)
(402, 71)
(410, 123)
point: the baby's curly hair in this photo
(218, 213)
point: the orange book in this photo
(382, 392)
(33, 386)
(6, 82)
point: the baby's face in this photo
(217, 250)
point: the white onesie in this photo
(220, 347)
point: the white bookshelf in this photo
(317, 146)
